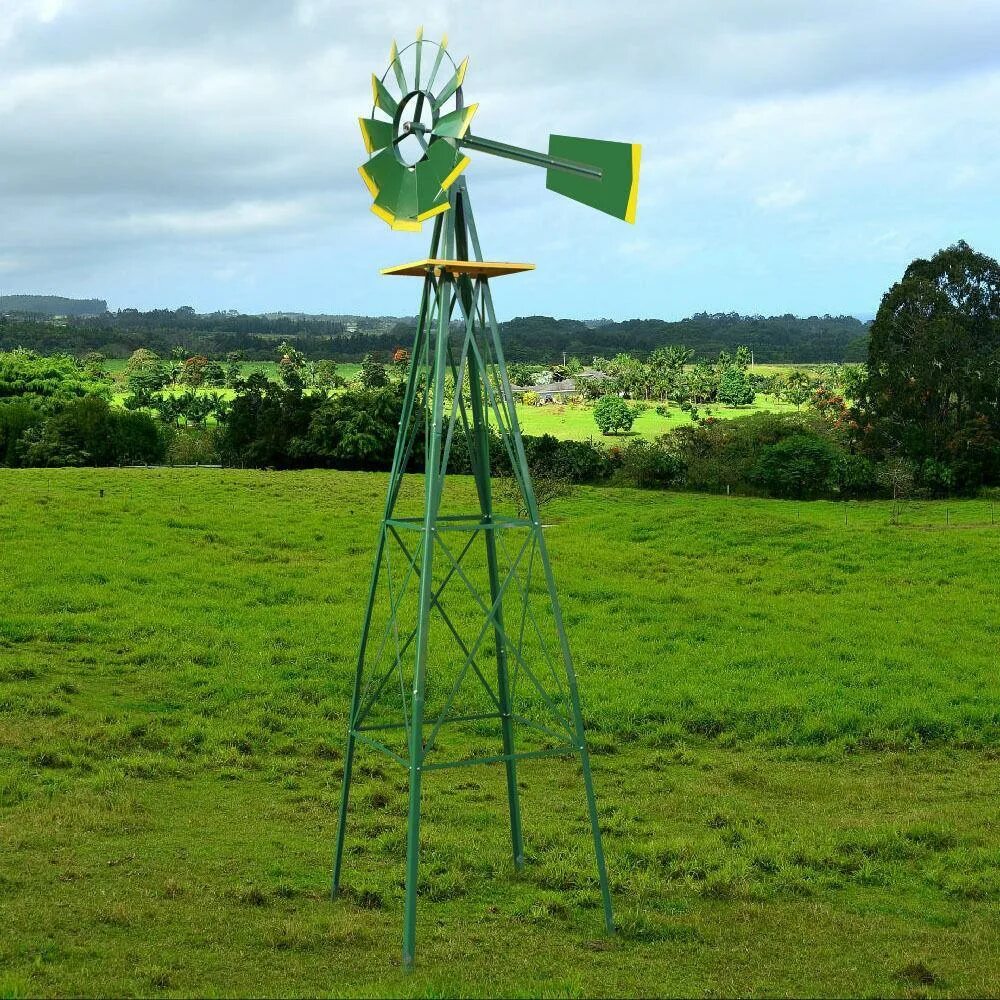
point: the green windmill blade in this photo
(417, 140)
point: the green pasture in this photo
(575, 421)
(794, 716)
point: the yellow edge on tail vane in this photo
(633, 193)
(450, 179)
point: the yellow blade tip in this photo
(444, 41)
(386, 217)
(369, 183)
(420, 33)
(365, 136)
(462, 69)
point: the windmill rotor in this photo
(419, 128)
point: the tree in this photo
(292, 367)
(326, 375)
(353, 430)
(797, 388)
(145, 374)
(735, 389)
(214, 375)
(933, 385)
(233, 369)
(373, 374)
(613, 415)
(94, 366)
(193, 370)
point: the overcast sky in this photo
(797, 154)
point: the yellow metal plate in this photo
(474, 268)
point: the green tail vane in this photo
(463, 630)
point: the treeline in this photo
(529, 339)
(44, 306)
(773, 339)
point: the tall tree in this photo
(933, 386)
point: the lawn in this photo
(575, 421)
(793, 709)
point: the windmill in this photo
(463, 627)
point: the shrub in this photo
(569, 461)
(721, 453)
(87, 431)
(613, 415)
(193, 446)
(530, 398)
(650, 464)
(800, 467)
(17, 416)
(355, 430)
(859, 477)
(935, 477)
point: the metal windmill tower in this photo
(495, 660)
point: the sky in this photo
(796, 154)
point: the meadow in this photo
(575, 421)
(793, 710)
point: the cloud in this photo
(154, 150)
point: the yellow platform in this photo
(473, 268)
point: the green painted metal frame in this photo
(489, 393)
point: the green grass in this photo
(575, 421)
(795, 728)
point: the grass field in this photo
(575, 421)
(795, 724)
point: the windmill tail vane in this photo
(427, 668)
(420, 128)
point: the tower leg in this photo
(481, 454)
(532, 506)
(345, 791)
(433, 481)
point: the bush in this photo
(17, 416)
(354, 430)
(935, 477)
(193, 445)
(530, 398)
(87, 431)
(859, 477)
(800, 467)
(721, 453)
(613, 415)
(650, 464)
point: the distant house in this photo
(559, 392)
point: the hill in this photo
(52, 305)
